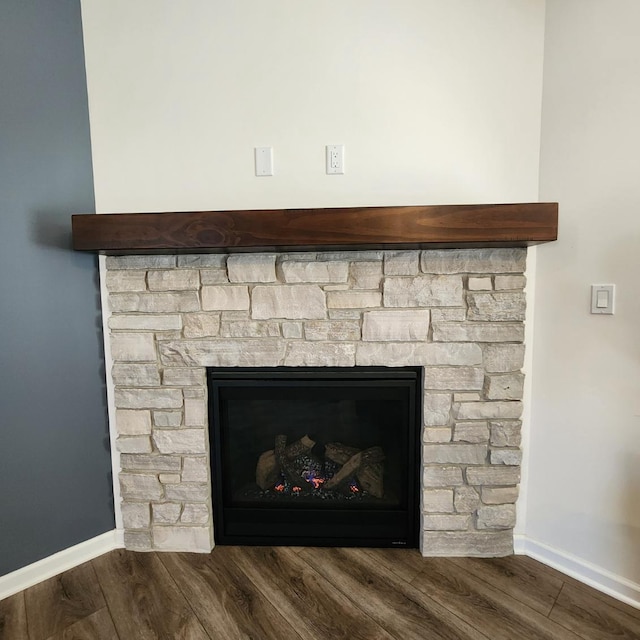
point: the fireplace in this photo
(315, 455)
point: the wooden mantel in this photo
(413, 227)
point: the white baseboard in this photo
(614, 585)
(57, 563)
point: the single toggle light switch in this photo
(602, 298)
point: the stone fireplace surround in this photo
(459, 313)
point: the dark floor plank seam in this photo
(106, 601)
(184, 595)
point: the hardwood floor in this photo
(267, 593)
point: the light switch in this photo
(264, 161)
(602, 298)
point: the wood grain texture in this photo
(143, 599)
(317, 229)
(404, 611)
(313, 605)
(227, 603)
(593, 617)
(13, 618)
(57, 603)
(97, 626)
(484, 606)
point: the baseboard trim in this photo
(58, 562)
(610, 583)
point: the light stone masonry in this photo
(456, 313)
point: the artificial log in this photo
(287, 467)
(370, 476)
(268, 468)
(371, 479)
(354, 465)
(339, 452)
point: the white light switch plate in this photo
(264, 161)
(602, 298)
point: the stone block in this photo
(512, 457)
(290, 301)
(225, 297)
(506, 433)
(173, 280)
(157, 463)
(138, 486)
(501, 475)
(304, 271)
(292, 330)
(466, 396)
(195, 514)
(436, 434)
(398, 326)
(135, 375)
(400, 354)
(473, 544)
(478, 332)
(252, 267)
(423, 291)
(203, 261)
(441, 476)
(169, 478)
(195, 392)
(195, 469)
(501, 516)
(499, 495)
(471, 432)
(195, 412)
(450, 314)
(350, 256)
(135, 515)
(250, 329)
(479, 284)
(474, 260)
(454, 453)
(496, 306)
(183, 538)
(184, 492)
(486, 410)
(366, 275)
(504, 386)
(163, 419)
(223, 353)
(503, 358)
(177, 441)
(166, 512)
(318, 354)
(126, 280)
(147, 322)
(133, 347)
(169, 302)
(401, 263)
(466, 499)
(448, 522)
(510, 282)
(353, 299)
(201, 325)
(140, 262)
(148, 398)
(453, 378)
(437, 408)
(213, 276)
(137, 540)
(330, 330)
(134, 444)
(183, 376)
(345, 314)
(437, 501)
(133, 423)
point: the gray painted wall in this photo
(55, 484)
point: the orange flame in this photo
(279, 487)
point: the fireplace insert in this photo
(315, 456)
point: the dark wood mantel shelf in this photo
(413, 227)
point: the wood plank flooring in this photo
(267, 593)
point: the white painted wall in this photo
(585, 435)
(436, 102)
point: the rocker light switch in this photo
(602, 298)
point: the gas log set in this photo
(307, 469)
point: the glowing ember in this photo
(317, 482)
(354, 487)
(311, 478)
(297, 489)
(279, 487)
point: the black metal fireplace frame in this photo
(361, 527)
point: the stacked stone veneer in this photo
(458, 313)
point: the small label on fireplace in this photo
(399, 542)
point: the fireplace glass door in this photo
(315, 456)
